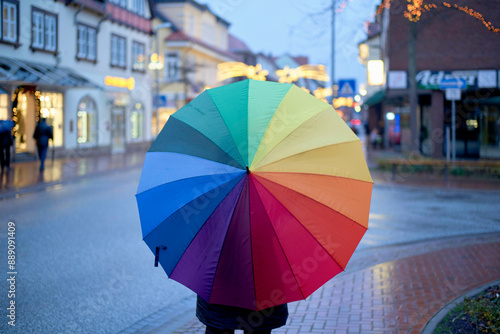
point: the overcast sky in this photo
(301, 27)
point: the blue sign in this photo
(347, 88)
(446, 83)
(161, 101)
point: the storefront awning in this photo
(375, 98)
(20, 72)
(490, 101)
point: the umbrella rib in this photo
(204, 225)
(298, 153)
(224, 242)
(173, 213)
(179, 120)
(230, 134)
(279, 241)
(314, 200)
(289, 134)
(186, 178)
(306, 227)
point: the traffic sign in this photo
(347, 88)
(459, 83)
(453, 94)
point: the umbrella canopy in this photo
(254, 194)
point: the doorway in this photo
(24, 116)
(118, 130)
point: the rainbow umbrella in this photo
(254, 194)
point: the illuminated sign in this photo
(315, 72)
(375, 72)
(119, 82)
(323, 93)
(343, 102)
(233, 69)
(156, 62)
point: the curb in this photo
(436, 319)
(166, 320)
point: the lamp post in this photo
(157, 73)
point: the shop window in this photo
(138, 57)
(137, 122)
(44, 30)
(87, 121)
(4, 106)
(10, 21)
(51, 108)
(118, 51)
(86, 43)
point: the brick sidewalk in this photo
(400, 296)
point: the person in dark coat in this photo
(43, 132)
(6, 142)
(221, 319)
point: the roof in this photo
(179, 36)
(237, 45)
(198, 5)
(15, 70)
(301, 60)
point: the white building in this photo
(82, 64)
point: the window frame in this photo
(86, 56)
(118, 64)
(139, 7)
(15, 41)
(134, 56)
(43, 46)
(172, 58)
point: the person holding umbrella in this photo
(43, 132)
(5, 143)
(253, 195)
(222, 319)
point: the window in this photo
(86, 43)
(121, 3)
(118, 51)
(87, 121)
(51, 107)
(136, 122)
(138, 7)
(4, 106)
(172, 66)
(138, 57)
(10, 19)
(44, 30)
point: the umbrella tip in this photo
(248, 170)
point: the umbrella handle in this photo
(157, 254)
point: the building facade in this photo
(452, 42)
(189, 50)
(82, 64)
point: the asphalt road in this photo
(82, 266)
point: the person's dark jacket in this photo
(43, 132)
(230, 317)
(6, 139)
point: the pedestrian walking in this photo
(43, 132)
(222, 319)
(6, 141)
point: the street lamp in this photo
(157, 76)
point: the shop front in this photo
(43, 96)
(29, 105)
(475, 120)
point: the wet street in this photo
(83, 267)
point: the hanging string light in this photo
(416, 8)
